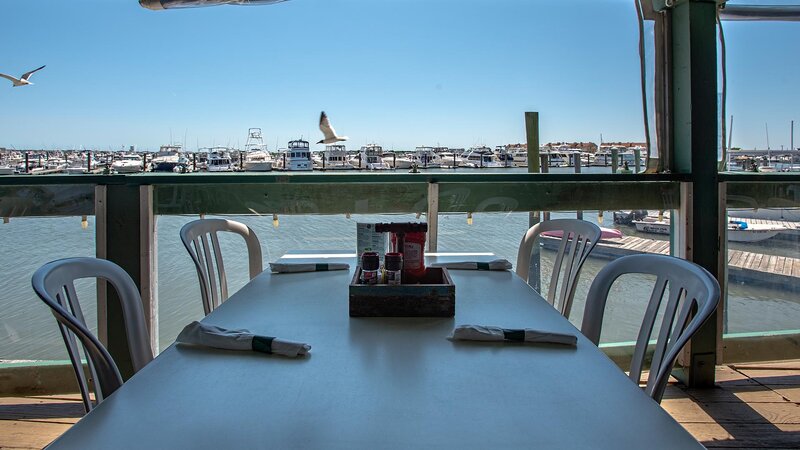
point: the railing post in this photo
(126, 236)
(433, 217)
(694, 134)
(532, 136)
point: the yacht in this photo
(257, 157)
(167, 159)
(370, 158)
(397, 161)
(506, 158)
(425, 157)
(219, 160)
(128, 163)
(334, 158)
(297, 157)
(479, 157)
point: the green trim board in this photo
(467, 175)
(367, 198)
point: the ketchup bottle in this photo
(408, 239)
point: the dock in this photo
(743, 266)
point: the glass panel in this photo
(28, 331)
(763, 258)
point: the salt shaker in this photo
(394, 268)
(370, 263)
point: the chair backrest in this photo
(201, 241)
(54, 283)
(577, 240)
(693, 297)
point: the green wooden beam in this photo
(694, 90)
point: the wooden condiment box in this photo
(435, 296)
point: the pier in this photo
(743, 266)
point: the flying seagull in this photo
(23, 80)
(328, 131)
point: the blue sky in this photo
(400, 73)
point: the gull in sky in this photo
(328, 131)
(23, 80)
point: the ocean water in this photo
(28, 330)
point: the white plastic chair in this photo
(54, 283)
(581, 236)
(201, 241)
(693, 297)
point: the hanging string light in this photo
(419, 214)
(275, 222)
(6, 219)
(84, 222)
(469, 218)
(661, 215)
(347, 215)
(600, 217)
(202, 215)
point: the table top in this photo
(380, 382)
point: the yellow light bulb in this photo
(600, 217)
(347, 215)
(202, 215)
(469, 218)
(275, 222)
(84, 222)
(419, 214)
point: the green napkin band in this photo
(262, 344)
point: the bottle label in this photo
(369, 277)
(393, 277)
(412, 256)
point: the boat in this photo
(257, 156)
(606, 233)
(128, 163)
(218, 160)
(167, 159)
(334, 157)
(396, 161)
(425, 158)
(506, 157)
(297, 157)
(7, 170)
(738, 230)
(479, 157)
(370, 158)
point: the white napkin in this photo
(198, 333)
(484, 333)
(306, 267)
(497, 264)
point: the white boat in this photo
(128, 163)
(334, 158)
(7, 170)
(297, 157)
(425, 158)
(167, 159)
(479, 157)
(257, 156)
(219, 160)
(738, 231)
(369, 157)
(505, 157)
(397, 161)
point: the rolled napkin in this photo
(497, 264)
(306, 267)
(198, 333)
(484, 333)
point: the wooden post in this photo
(694, 134)
(532, 139)
(433, 216)
(126, 236)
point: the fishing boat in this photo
(257, 157)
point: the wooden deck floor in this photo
(753, 406)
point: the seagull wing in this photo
(325, 126)
(9, 77)
(27, 75)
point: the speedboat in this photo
(127, 163)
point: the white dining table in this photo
(377, 383)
